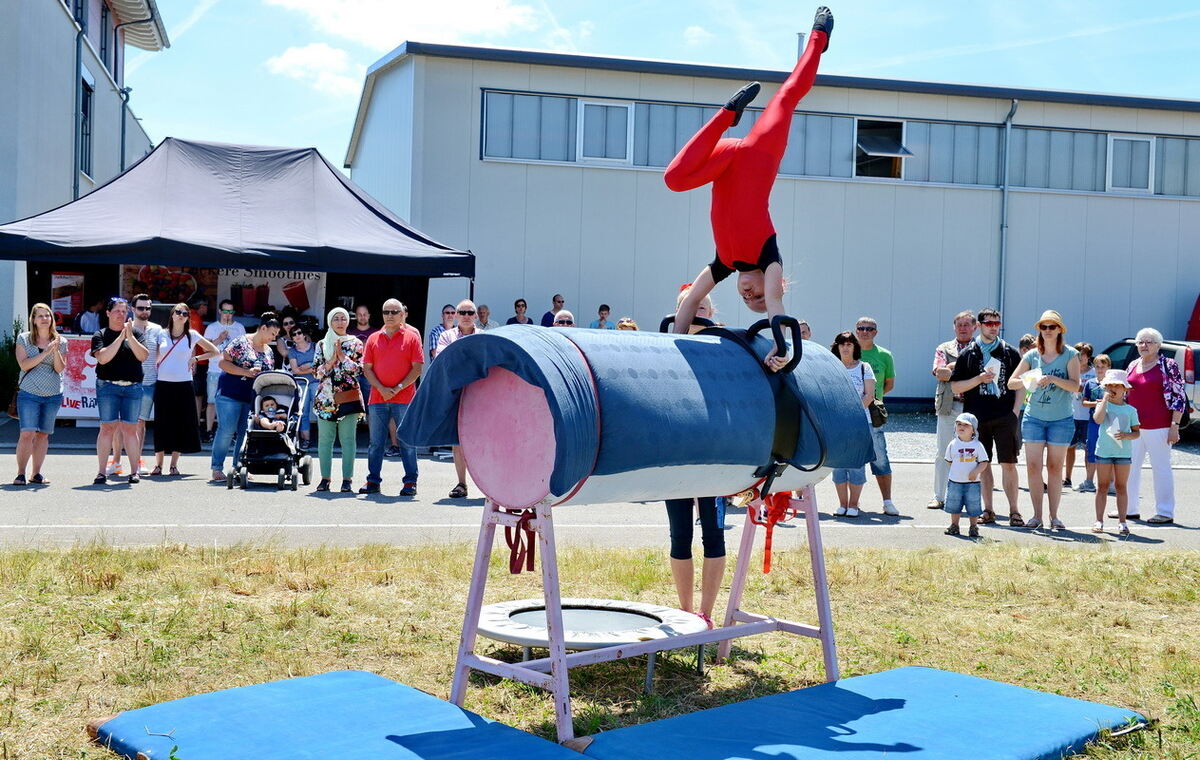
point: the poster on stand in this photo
(79, 380)
(253, 290)
(66, 295)
(171, 285)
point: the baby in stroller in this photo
(271, 416)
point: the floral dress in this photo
(343, 376)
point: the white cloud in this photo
(696, 35)
(384, 24)
(327, 69)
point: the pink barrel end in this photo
(507, 436)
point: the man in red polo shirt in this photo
(392, 362)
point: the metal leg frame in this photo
(551, 672)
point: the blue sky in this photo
(289, 72)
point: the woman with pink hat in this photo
(1051, 372)
(1119, 427)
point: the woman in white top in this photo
(176, 427)
(849, 481)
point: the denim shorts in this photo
(1054, 433)
(855, 476)
(961, 496)
(118, 403)
(882, 465)
(1114, 460)
(37, 413)
(146, 412)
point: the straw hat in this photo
(1050, 315)
(1115, 377)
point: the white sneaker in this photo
(840, 511)
(851, 511)
(1123, 529)
(889, 508)
(1098, 527)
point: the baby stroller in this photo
(269, 452)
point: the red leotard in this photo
(743, 171)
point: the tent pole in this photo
(471, 291)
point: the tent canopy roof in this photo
(191, 203)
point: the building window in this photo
(85, 128)
(536, 127)
(660, 130)
(879, 149)
(1177, 166)
(604, 132)
(1057, 159)
(105, 32)
(965, 154)
(1131, 163)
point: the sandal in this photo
(952, 531)
(38, 480)
(157, 471)
(1015, 520)
(973, 531)
(1057, 524)
(347, 487)
(100, 480)
(323, 485)
(19, 481)
(459, 491)
(987, 518)
(1033, 523)
(174, 472)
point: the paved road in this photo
(189, 510)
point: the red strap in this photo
(520, 540)
(771, 510)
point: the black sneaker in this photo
(392, 451)
(369, 487)
(823, 22)
(410, 489)
(741, 99)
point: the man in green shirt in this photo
(881, 361)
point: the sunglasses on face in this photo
(520, 306)
(447, 314)
(226, 311)
(564, 321)
(1047, 327)
(866, 328)
(391, 312)
(288, 323)
(991, 323)
(466, 312)
(142, 308)
(179, 313)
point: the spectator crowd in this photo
(1046, 398)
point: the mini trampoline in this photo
(589, 624)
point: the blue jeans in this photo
(37, 413)
(377, 418)
(231, 425)
(118, 403)
(882, 465)
(960, 496)
(855, 476)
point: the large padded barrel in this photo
(593, 416)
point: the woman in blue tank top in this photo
(1048, 423)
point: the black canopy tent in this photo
(203, 204)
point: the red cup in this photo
(297, 295)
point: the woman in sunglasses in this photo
(519, 317)
(175, 424)
(466, 326)
(1049, 421)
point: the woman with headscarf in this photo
(337, 365)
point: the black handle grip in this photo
(777, 323)
(669, 320)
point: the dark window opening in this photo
(80, 12)
(104, 32)
(880, 149)
(85, 130)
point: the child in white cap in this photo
(1119, 424)
(968, 459)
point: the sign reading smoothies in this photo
(253, 290)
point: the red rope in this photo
(520, 540)
(768, 512)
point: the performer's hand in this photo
(773, 362)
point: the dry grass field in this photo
(93, 630)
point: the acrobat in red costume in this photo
(742, 172)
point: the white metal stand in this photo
(550, 673)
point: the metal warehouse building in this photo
(891, 201)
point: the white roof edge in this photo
(386, 62)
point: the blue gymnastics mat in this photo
(344, 715)
(912, 713)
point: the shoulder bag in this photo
(877, 410)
